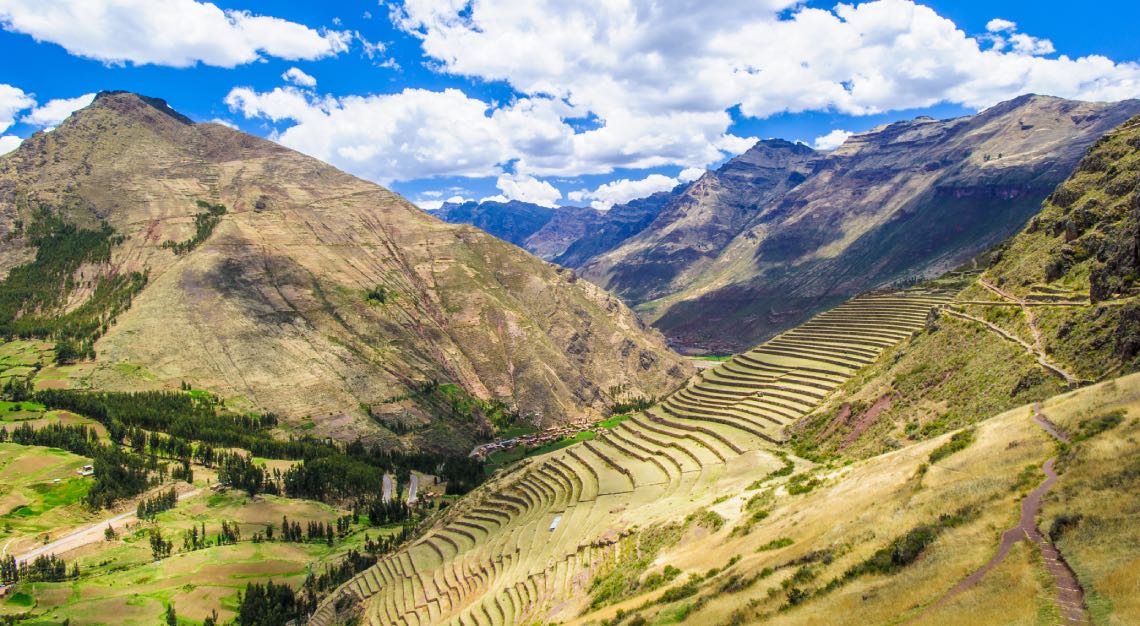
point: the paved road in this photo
(386, 496)
(86, 535)
(412, 486)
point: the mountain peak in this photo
(134, 104)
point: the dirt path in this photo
(1068, 594)
(86, 535)
(1008, 336)
(1030, 318)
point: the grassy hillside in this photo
(1063, 288)
(192, 252)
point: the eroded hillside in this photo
(1055, 307)
(311, 292)
(905, 201)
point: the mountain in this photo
(512, 221)
(199, 254)
(1051, 308)
(693, 228)
(904, 201)
(611, 228)
(568, 236)
(967, 447)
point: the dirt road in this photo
(86, 535)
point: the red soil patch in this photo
(868, 418)
(839, 421)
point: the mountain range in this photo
(782, 231)
(285, 285)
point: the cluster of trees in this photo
(160, 546)
(314, 531)
(204, 224)
(76, 438)
(45, 568)
(33, 296)
(119, 474)
(382, 513)
(150, 507)
(240, 472)
(194, 540)
(271, 604)
(230, 534)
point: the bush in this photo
(958, 442)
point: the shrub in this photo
(1097, 425)
(776, 544)
(958, 442)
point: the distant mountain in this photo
(512, 221)
(206, 255)
(783, 231)
(692, 228)
(568, 236)
(613, 227)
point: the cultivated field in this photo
(526, 546)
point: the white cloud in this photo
(12, 101)
(525, 189)
(689, 174)
(1028, 44)
(655, 80)
(430, 200)
(623, 190)
(226, 123)
(625, 57)
(53, 113)
(831, 140)
(178, 33)
(998, 25)
(9, 143)
(296, 76)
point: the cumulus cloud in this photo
(9, 143)
(623, 190)
(998, 25)
(525, 189)
(831, 140)
(298, 77)
(53, 112)
(177, 33)
(656, 80)
(12, 101)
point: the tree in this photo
(171, 616)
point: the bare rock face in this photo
(272, 309)
(780, 233)
(695, 226)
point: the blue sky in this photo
(593, 102)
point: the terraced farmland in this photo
(525, 546)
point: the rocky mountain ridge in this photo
(312, 292)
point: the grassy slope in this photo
(960, 372)
(863, 506)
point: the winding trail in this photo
(1030, 318)
(1068, 594)
(1008, 336)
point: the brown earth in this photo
(271, 311)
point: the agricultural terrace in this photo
(526, 545)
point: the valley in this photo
(909, 454)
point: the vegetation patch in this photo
(776, 544)
(620, 580)
(958, 441)
(1092, 427)
(33, 297)
(204, 224)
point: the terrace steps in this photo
(493, 558)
